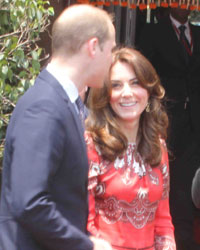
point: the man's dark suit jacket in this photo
(44, 191)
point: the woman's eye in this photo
(134, 82)
(115, 85)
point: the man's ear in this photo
(93, 44)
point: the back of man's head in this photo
(76, 25)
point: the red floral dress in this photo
(128, 201)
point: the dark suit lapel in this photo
(196, 46)
(194, 39)
(52, 81)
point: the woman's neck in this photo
(130, 130)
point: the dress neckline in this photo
(132, 143)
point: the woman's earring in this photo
(148, 107)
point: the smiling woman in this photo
(128, 175)
(128, 98)
(132, 79)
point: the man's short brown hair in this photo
(76, 25)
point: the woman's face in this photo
(128, 98)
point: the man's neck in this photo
(178, 22)
(70, 70)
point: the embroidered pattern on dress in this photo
(164, 243)
(131, 160)
(139, 212)
(131, 164)
(95, 170)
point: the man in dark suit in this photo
(44, 191)
(174, 51)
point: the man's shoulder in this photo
(45, 76)
(50, 86)
(45, 92)
(164, 22)
(195, 29)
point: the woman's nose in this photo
(126, 90)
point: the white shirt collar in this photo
(68, 86)
(177, 23)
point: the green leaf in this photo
(10, 74)
(32, 12)
(34, 55)
(36, 65)
(8, 88)
(32, 81)
(1, 55)
(22, 74)
(25, 64)
(19, 55)
(39, 51)
(39, 14)
(4, 17)
(23, 82)
(5, 69)
(51, 11)
(1, 124)
(14, 42)
(8, 42)
(27, 85)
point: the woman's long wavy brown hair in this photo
(102, 122)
